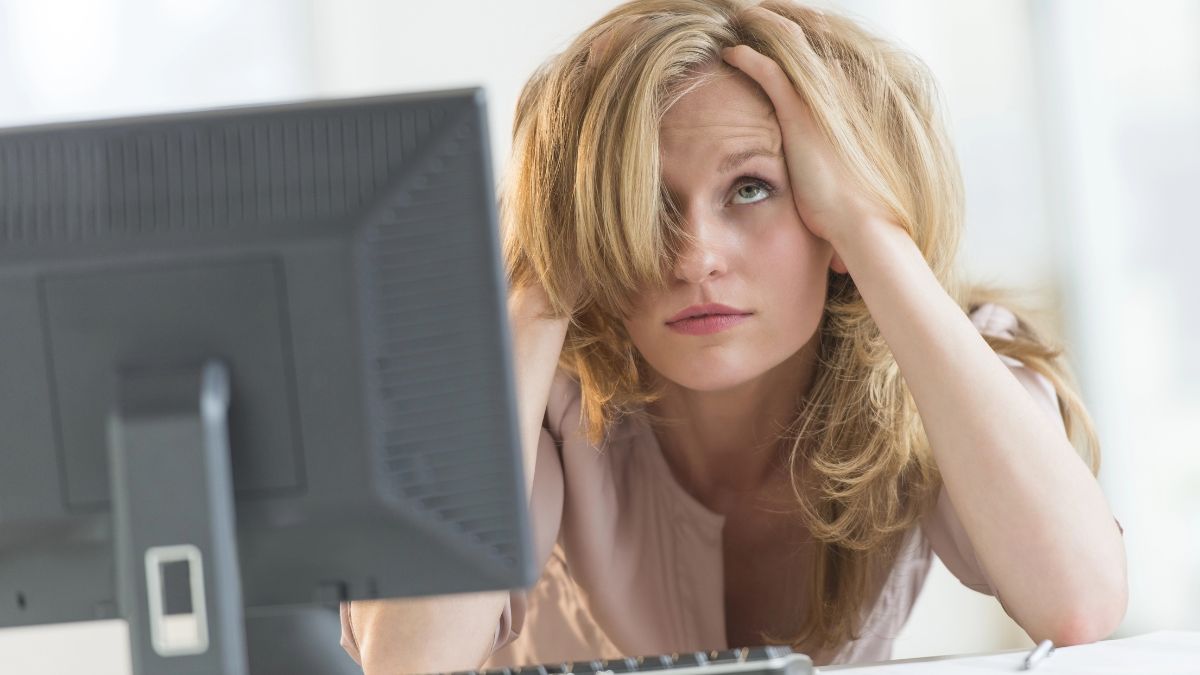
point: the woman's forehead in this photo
(729, 100)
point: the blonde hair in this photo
(585, 215)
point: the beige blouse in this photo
(635, 562)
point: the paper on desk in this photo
(1165, 652)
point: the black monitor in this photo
(254, 361)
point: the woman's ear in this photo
(836, 264)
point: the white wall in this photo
(1121, 115)
(376, 46)
(83, 59)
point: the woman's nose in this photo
(702, 258)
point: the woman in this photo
(779, 468)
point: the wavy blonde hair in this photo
(585, 215)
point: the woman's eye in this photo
(751, 192)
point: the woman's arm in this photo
(1036, 516)
(457, 632)
(1031, 507)
(439, 634)
(537, 344)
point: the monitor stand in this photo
(175, 539)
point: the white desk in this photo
(1165, 652)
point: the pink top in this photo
(635, 562)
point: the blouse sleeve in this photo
(942, 526)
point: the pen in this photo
(1045, 648)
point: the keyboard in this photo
(773, 660)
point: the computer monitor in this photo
(254, 361)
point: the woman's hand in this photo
(827, 198)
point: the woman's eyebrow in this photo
(736, 159)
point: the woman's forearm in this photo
(1034, 513)
(537, 344)
(440, 634)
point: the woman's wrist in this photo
(531, 302)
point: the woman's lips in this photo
(706, 325)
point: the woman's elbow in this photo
(1093, 619)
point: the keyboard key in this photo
(691, 659)
(626, 665)
(659, 662)
(762, 653)
(726, 656)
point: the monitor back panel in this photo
(341, 257)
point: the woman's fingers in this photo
(766, 71)
(787, 101)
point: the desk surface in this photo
(1168, 652)
(921, 659)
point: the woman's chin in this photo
(714, 378)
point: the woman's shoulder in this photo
(998, 321)
(565, 420)
(585, 467)
(995, 320)
(564, 405)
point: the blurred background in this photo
(1077, 123)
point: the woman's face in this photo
(722, 161)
